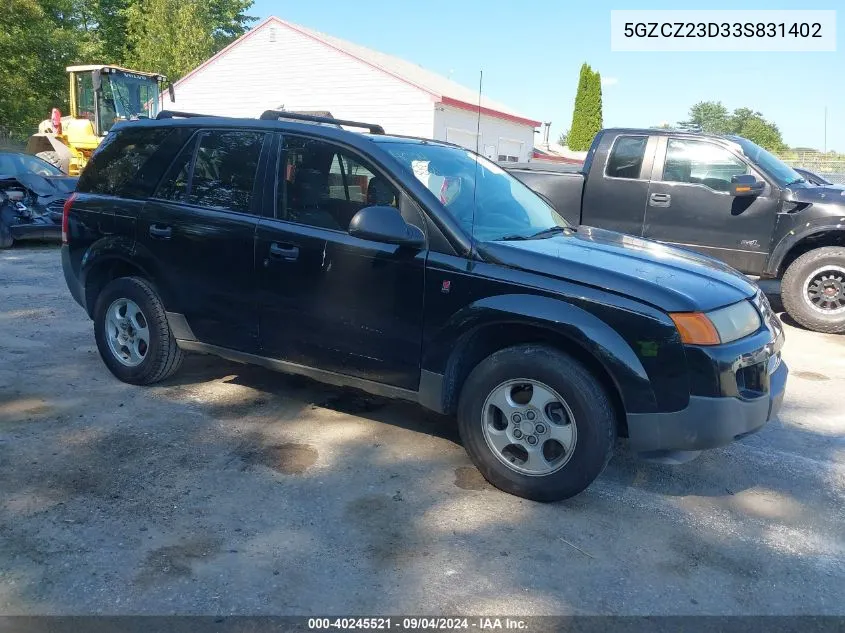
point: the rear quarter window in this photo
(130, 162)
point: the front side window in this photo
(222, 174)
(487, 201)
(626, 157)
(700, 162)
(325, 186)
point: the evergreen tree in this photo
(587, 115)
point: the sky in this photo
(531, 52)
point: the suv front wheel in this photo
(536, 423)
(133, 337)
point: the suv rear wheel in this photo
(536, 423)
(133, 337)
(813, 290)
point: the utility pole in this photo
(825, 129)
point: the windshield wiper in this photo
(552, 230)
(549, 232)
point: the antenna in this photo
(475, 177)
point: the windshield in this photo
(16, 164)
(782, 173)
(486, 200)
(125, 97)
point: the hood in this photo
(48, 185)
(828, 194)
(672, 279)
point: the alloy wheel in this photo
(127, 332)
(529, 427)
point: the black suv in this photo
(414, 269)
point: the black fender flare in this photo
(780, 251)
(566, 321)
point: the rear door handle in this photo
(161, 232)
(287, 252)
(659, 200)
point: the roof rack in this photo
(272, 115)
(174, 114)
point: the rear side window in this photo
(123, 164)
(219, 173)
(626, 157)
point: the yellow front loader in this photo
(100, 96)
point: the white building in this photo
(283, 64)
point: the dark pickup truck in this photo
(722, 196)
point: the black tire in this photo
(591, 408)
(6, 239)
(51, 157)
(794, 289)
(163, 356)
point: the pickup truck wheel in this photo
(536, 423)
(813, 290)
(133, 337)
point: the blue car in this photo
(32, 194)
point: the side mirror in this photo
(746, 185)
(385, 224)
(97, 80)
(171, 92)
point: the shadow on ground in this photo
(235, 490)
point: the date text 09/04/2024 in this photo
(417, 623)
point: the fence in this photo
(829, 168)
(14, 138)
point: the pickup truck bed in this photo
(563, 190)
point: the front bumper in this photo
(36, 231)
(707, 422)
(734, 390)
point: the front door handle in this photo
(161, 232)
(287, 252)
(659, 200)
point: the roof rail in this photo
(272, 115)
(174, 114)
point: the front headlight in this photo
(717, 326)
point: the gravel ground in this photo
(234, 490)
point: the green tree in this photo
(175, 36)
(587, 115)
(228, 20)
(35, 46)
(708, 116)
(762, 132)
(168, 36)
(103, 23)
(39, 38)
(713, 118)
